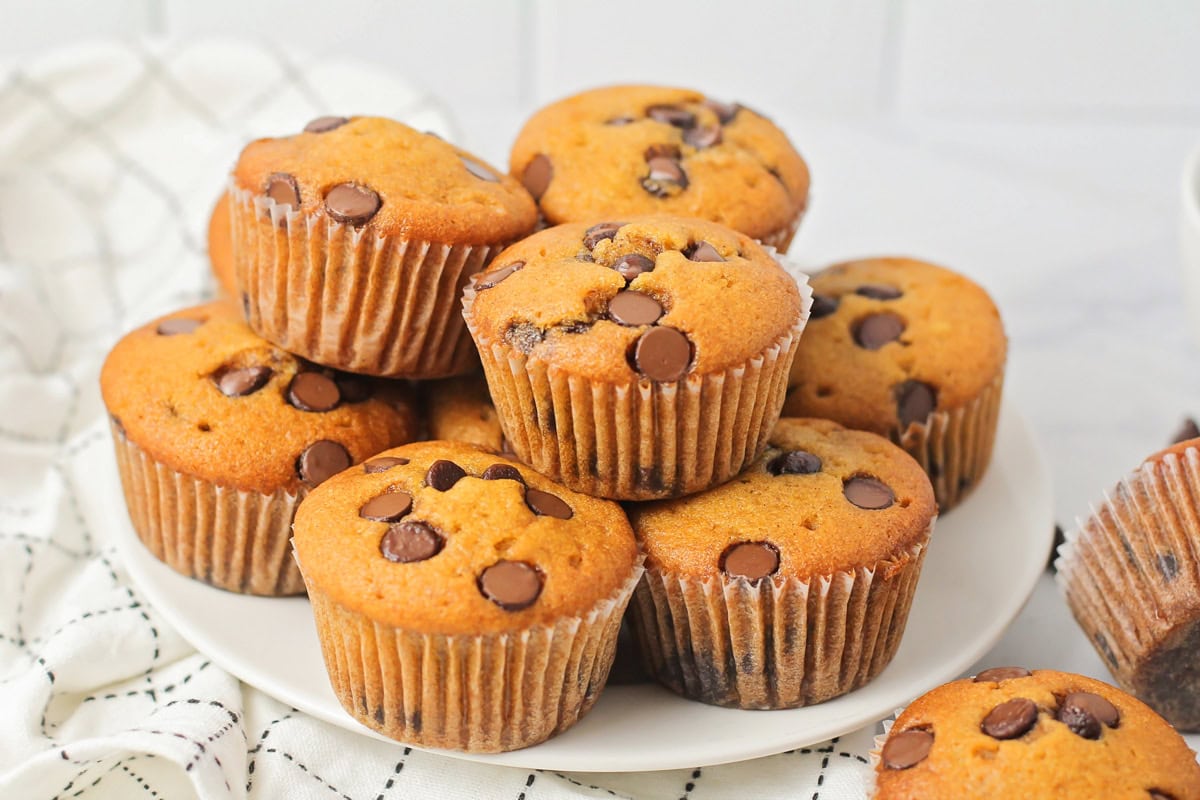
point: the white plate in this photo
(981, 567)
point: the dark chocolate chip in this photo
(352, 204)
(630, 265)
(479, 170)
(879, 291)
(545, 504)
(537, 176)
(486, 280)
(598, 233)
(512, 585)
(283, 190)
(1011, 719)
(724, 111)
(410, 541)
(312, 391)
(243, 381)
(178, 325)
(443, 474)
(662, 354)
(502, 472)
(875, 330)
(325, 124)
(672, 115)
(915, 401)
(700, 138)
(634, 308)
(822, 306)
(1086, 712)
(868, 493)
(387, 507)
(383, 464)
(321, 460)
(1156, 794)
(906, 749)
(353, 388)
(666, 176)
(997, 674)
(750, 560)
(1168, 565)
(524, 336)
(794, 462)
(703, 251)
(1187, 431)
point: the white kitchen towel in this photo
(110, 159)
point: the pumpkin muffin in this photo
(463, 600)
(1132, 581)
(640, 358)
(911, 351)
(353, 238)
(1009, 732)
(220, 249)
(461, 410)
(625, 150)
(219, 435)
(791, 584)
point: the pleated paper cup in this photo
(485, 693)
(780, 643)
(345, 297)
(234, 540)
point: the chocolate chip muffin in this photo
(911, 351)
(463, 600)
(219, 435)
(791, 584)
(220, 249)
(625, 150)
(1009, 732)
(461, 410)
(638, 358)
(352, 240)
(1139, 545)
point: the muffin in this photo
(910, 351)
(220, 249)
(1009, 732)
(352, 241)
(626, 150)
(461, 410)
(1131, 578)
(462, 600)
(219, 435)
(791, 584)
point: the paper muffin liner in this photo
(639, 440)
(775, 644)
(1130, 576)
(955, 447)
(347, 298)
(484, 693)
(235, 540)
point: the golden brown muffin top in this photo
(220, 247)
(624, 150)
(375, 172)
(443, 537)
(461, 410)
(820, 500)
(200, 392)
(1054, 735)
(890, 340)
(654, 297)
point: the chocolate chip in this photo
(997, 674)
(178, 325)
(545, 504)
(312, 391)
(599, 232)
(352, 204)
(321, 460)
(750, 560)
(666, 176)
(387, 507)
(822, 306)
(353, 388)
(443, 474)
(703, 251)
(875, 330)
(794, 462)
(1187, 431)
(700, 138)
(325, 124)
(479, 170)
(283, 190)
(537, 175)
(524, 336)
(878, 291)
(868, 493)
(915, 401)
(620, 121)
(411, 541)
(512, 585)
(486, 280)
(672, 115)
(662, 354)
(724, 111)
(1085, 712)
(906, 749)
(383, 464)
(1011, 719)
(630, 265)
(1168, 566)
(244, 381)
(1155, 794)
(502, 472)
(634, 308)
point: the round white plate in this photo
(982, 564)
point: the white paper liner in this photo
(484, 694)
(234, 540)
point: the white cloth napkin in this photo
(110, 159)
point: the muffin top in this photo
(371, 171)
(625, 150)
(461, 410)
(891, 340)
(1011, 733)
(200, 392)
(820, 500)
(651, 297)
(443, 537)
(220, 247)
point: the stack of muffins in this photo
(608, 322)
